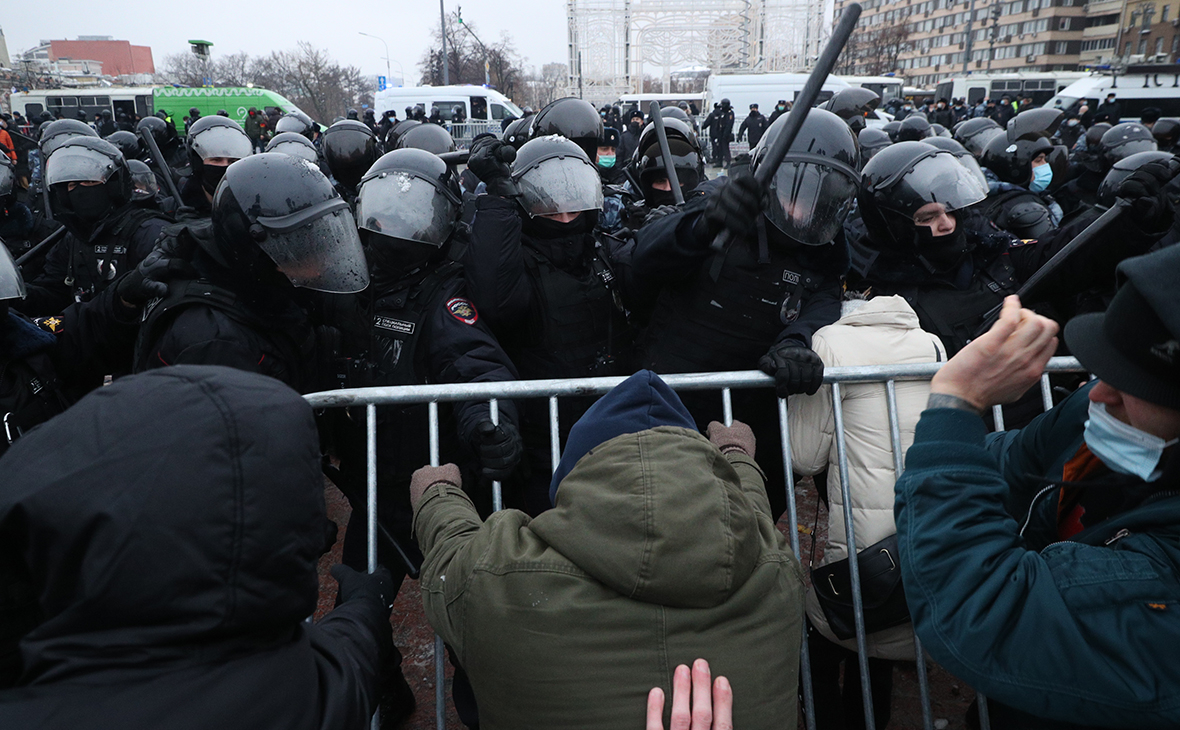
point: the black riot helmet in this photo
(57, 132)
(350, 148)
(647, 164)
(725, 103)
(128, 143)
(517, 133)
(872, 141)
(555, 175)
(296, 122)
(1094, 134)
(1034, 123)
(274, 211)
(815, 186)
(673, 112)
(12, 284)
(194, 113)
(913, 129)
(898, 182)
(397, 130)
(408, 206)
(1122, 169)
(430, 137)
(1166, 133)
(974, 134)
(1012, 161)
(891, 129)
(352, 114)
(161, 132)
(574, 119)
(852, 105)
(296, 145)
(99, 168)
(144, 185)
(937, 130)
(215, 137)
(1123, 140)
(7, 181)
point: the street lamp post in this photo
(370, 35)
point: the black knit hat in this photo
(1134, 346)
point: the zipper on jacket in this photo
(1028, 517)
(1117, 536)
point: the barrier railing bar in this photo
(440, 671)
(371, 511)
(450, 392)
(727, 406)
(898, 470)
(998, 417)
(853, 562)
(1046, 392)
(497, 490)
(554, 435)
(985, 722)
(793, 517)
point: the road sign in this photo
(380, 83)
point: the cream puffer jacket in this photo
(880, 331)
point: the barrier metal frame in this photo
(836, 377)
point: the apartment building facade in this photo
(933, 38)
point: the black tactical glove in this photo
(657, 213)
(736, 206)
(377, 585)
(795, 367)
(150, 279)
(1144, 188)
(491, 161)
(499, 448)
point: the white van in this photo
(886, 87)
(765, 90)
(479, 103)
(1139, 88)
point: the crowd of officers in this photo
(362, 256)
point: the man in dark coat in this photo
(175, 590)
(756, 123)
(1109, 111)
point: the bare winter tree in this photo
(466, 55)
(874, 52)
(542, 88)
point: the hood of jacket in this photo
(882, 311)
(184, 518)
(656, 513)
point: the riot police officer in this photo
(432, 138)
(213, 143)
(91, 189)
(646, 186)
(548, 287)
(872, 141)
(279, 234)
(758, 302)
(16, 219)
(299, 123)
(853, 106)
(170, 145)
(974, 134)
(350, 149)
(290, 143)
(417, 325)
(574, 119)
(1023, 168)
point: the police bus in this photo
(146, 100)
(976, 87)
(1139, 87)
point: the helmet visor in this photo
(560, 185)
(405, 206)
(811, 200)
(12, 286)
(78, 164)
(967, 160)
(1132, 147)
(7, 179)
(144, 185)
(936, 178)
(295, 149)
(321, 251)
(222, 142)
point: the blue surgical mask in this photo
(1042, 176)
(606, 161)
(1122, 447)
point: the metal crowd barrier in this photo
(464, 132)
(837, 377)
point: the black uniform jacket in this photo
(174, 547)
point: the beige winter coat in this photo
(881, 331)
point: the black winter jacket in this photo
(173, 547)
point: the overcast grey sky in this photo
(538, 27)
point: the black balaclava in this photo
(211, 175)
(564, 244)
(90, 203)
(942, 254)
(394, 258)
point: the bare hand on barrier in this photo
(737, 437)
(1003, 363)
(427, 476)
(711, 707)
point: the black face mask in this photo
(942, 254)
(211, 175)
(90, 203)
(396, 256)
(564, 244)
(655, 198)
(634, 127)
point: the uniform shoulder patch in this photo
(462, 310)
(51, 324)
(1022, 242)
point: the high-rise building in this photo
(928, 40)
(1150, 32)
